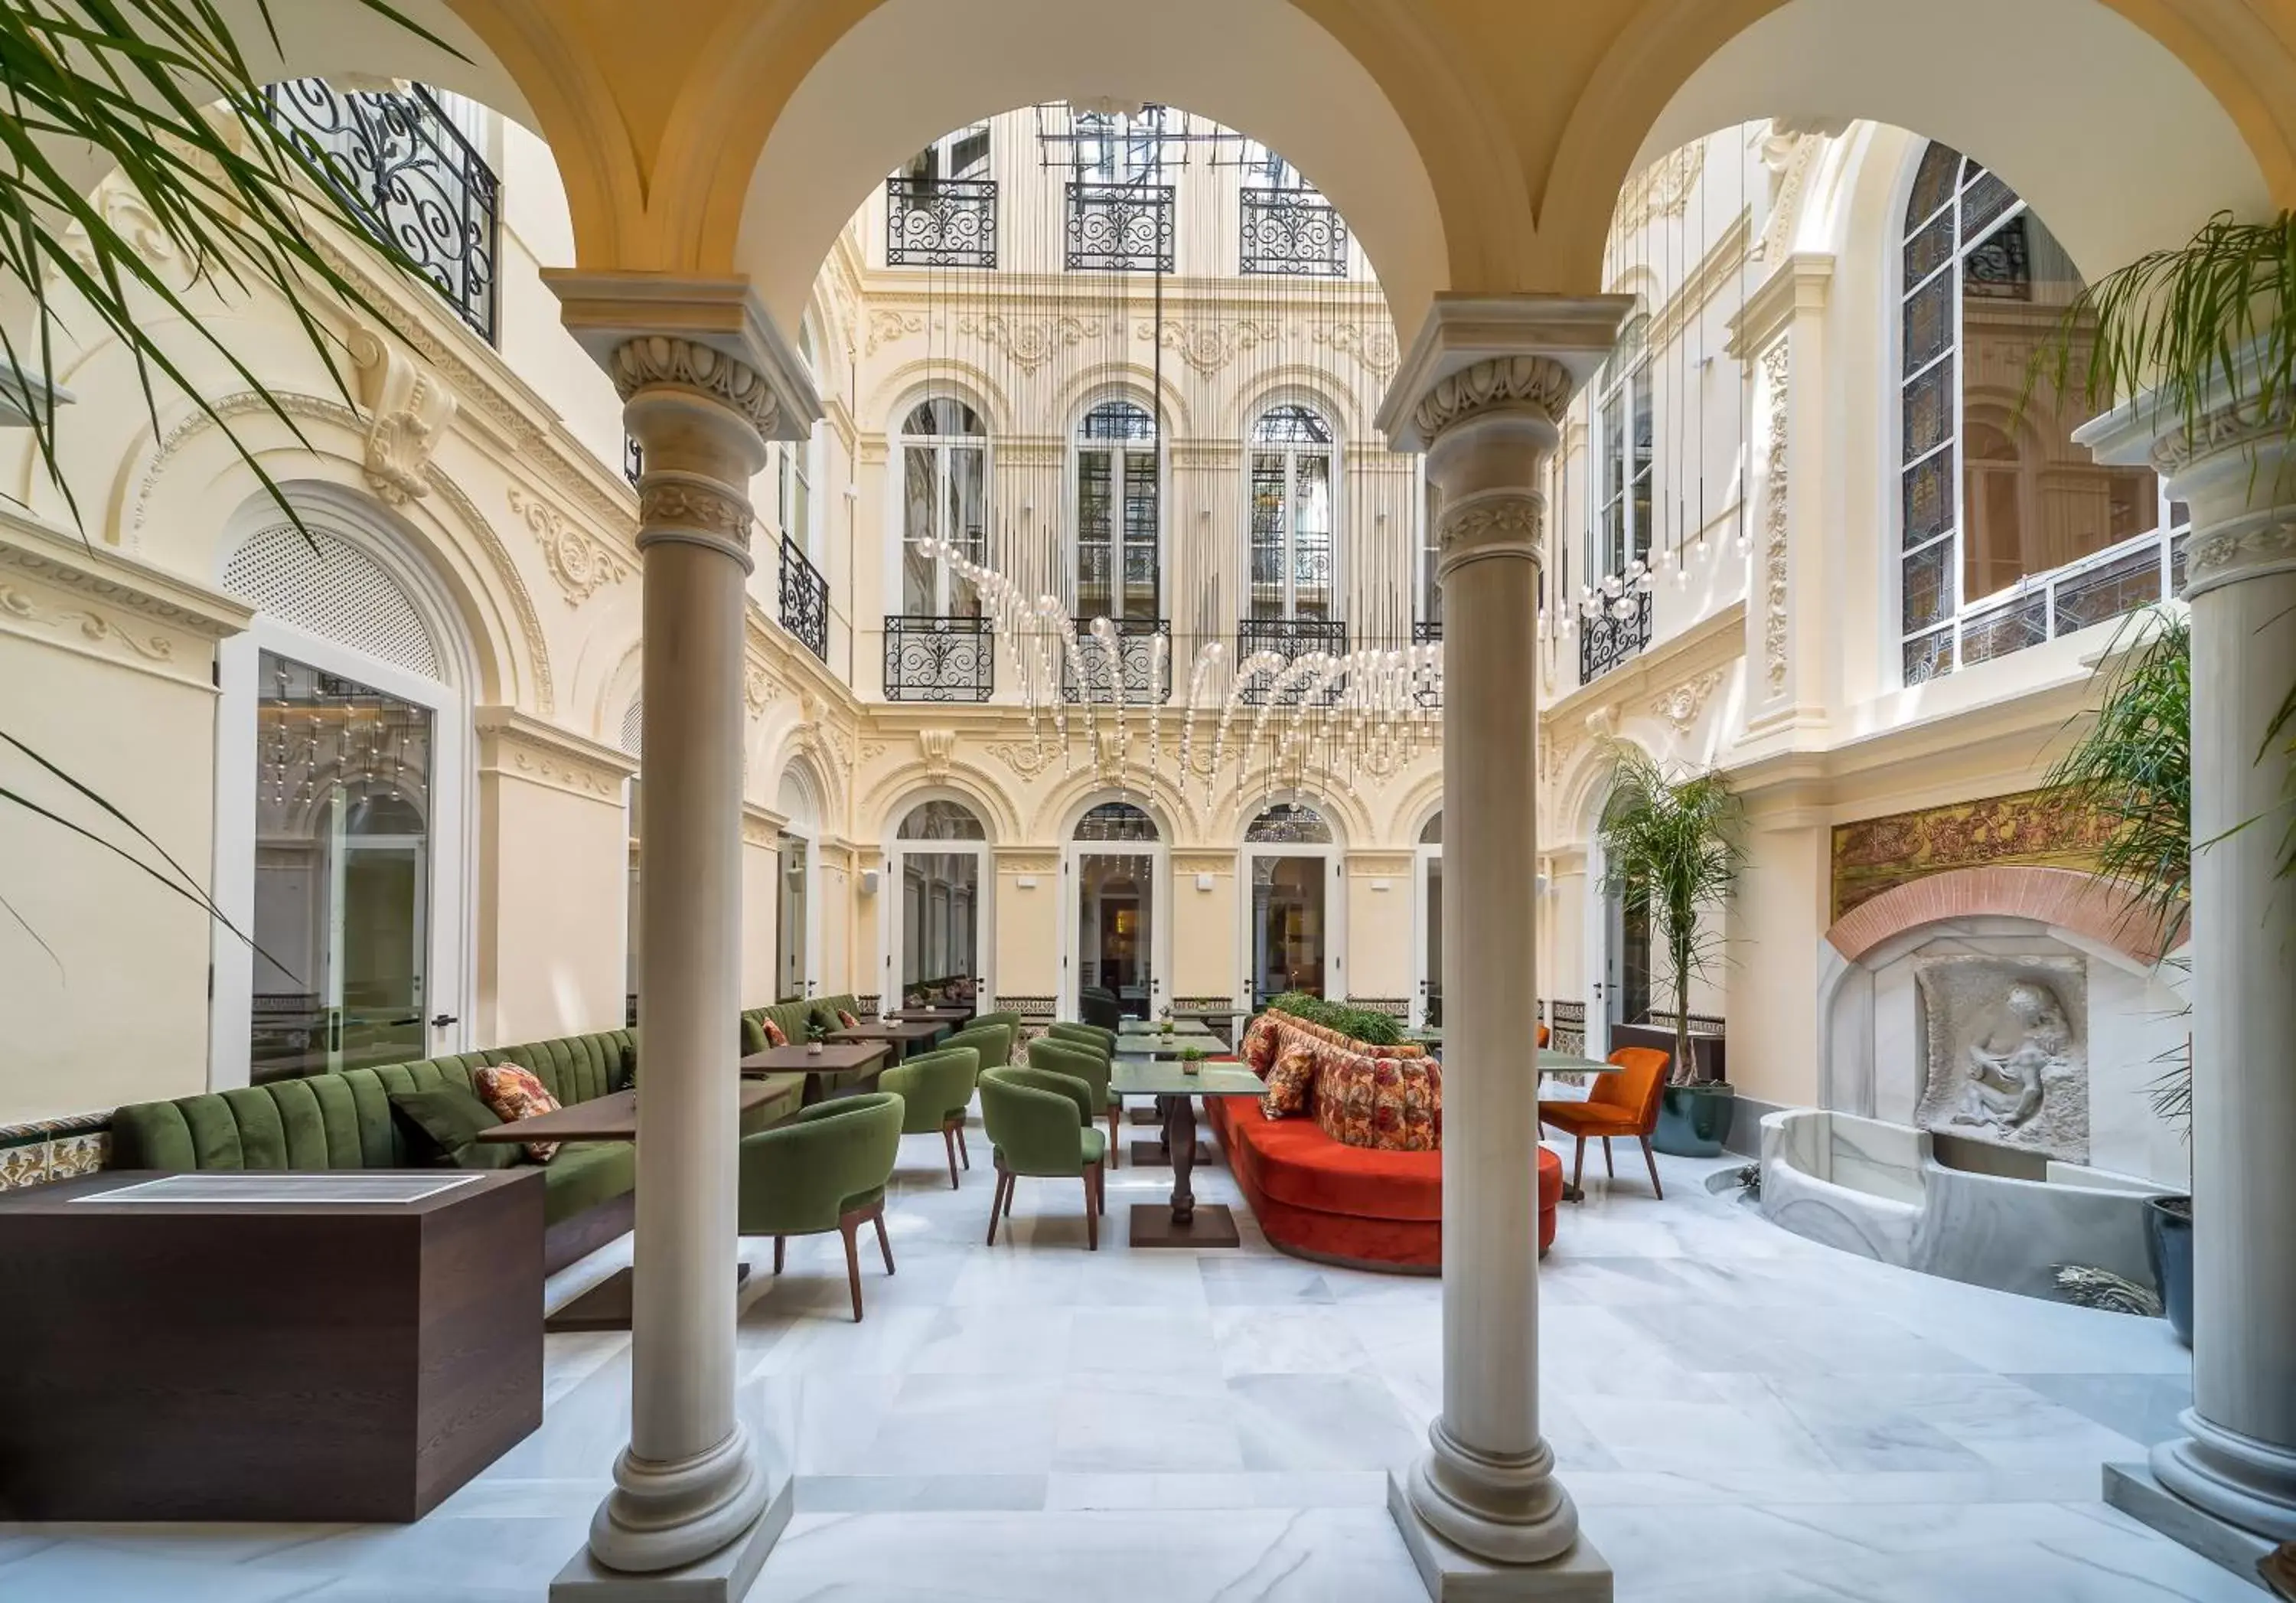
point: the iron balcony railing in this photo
(1428, 631)
(2116, 581)
(633, 461)
(398, 161)
(1134, 655)
(939, 659)
(940, 222)
(1119, 227)
(1293, 231)
(805, 600)
(1290, 638)
(1606, 639)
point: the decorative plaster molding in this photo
(510, 742)
(757, 688)
(886, 326)
(1789, 154)
(96, 627)
(1777, 367)
(1682, 705)
(1029, 341)
(760, 826)
(872, 750)
(1662, 189)
(580, 561)
(411, 408)
(662, 361)
(2215, 558)
(1539, 384)
(60, 582)
(938, 747)
(2222, 428)
(1026, 760)
(1210, 345)
(1200, 861)
(692, 503)
(1373, 345)
(1026, 860)
(1491, 526)
(1379, 865)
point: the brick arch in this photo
(2067, 898)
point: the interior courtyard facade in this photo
(866, 515)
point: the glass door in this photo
(790, 918)
(1627, 960)
(341, 921)
(940, 925)
(1116, 929)
(1430, 933)
(1288, 926)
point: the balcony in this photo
(1293, 233)
(941, 222)
(939, 659)
(402, 165)
(805, 600)
(1428, 631)
(2096, 590)
(1134, 655)
(1290, 638)
(1607, 639)
(1119, 229)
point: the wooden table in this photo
(898, 1035)
(347, 1345)
(1184, 1224)
(950, 1015)
(613, 1117)
(836, 1057)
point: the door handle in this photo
(442, 1020)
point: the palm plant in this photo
(160, 92)
(1674, 843)
(2133, 765)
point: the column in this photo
(690, 1496)
(1483, 393)
(2238, 1462)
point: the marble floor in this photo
(1740, 1414)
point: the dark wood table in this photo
(950, 1015)
(836, 1057)
(899, 1035)
(613, 1117)
(259, 1345)
(1184, 1223)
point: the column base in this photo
(724, 1576)
(2137, 1492)
(1578, 1574)
(2248, 1483)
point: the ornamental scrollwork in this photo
(688, 505)
(1538, 383)
(579, 562)
(660, 359)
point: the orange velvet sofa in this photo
(1361, 1207)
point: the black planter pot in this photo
(2169, 1245)
(1692, 1119)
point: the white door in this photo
(1294, 909)
(1116, 924)
(1427, 938)
(935, 919)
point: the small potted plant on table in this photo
(816, 1032)
(1191, 1059)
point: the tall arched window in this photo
(1624, 453)
(945, 497)
(1293, 480)
(1118, 480)
(2009, 533)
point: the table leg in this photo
(1180, 1141)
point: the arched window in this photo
(945, 497)
(1625, 450)
(2009, 533)
(1432, 834)
(1288, 824)
(1116, 821)
(1292, 490)
(941, 821)
(1119, 481)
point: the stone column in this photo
(1483, 393)
(692, 1507)
(2238, 1463)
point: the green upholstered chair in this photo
(1011, 1020)
(1064, 1030)
(1081, 1060)
(1098, 1005)
(935, 1088)
(994, 1042)
(1041, 1123)
(825, 1170)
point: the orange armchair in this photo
(1542, 1035)
(1624, 1103)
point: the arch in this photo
(2103, 910)
(885, 802)
(1117, 821)
(939, 378)
(1422, 799)
(1299, 383)
(2047, 102)
(800, 797)
(1253, 812)
(1079, 793)
(1104, 380)
(788, 157)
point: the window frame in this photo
(944, 448)
(1611, 446)
(1121, 478)
(1294, 453)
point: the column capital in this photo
(1476, 355)
(708, 336)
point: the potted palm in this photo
(1673, 843)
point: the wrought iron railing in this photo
(1294, 232)
(400, 163)
(1135, 653)
(1428, 691)
(1290, 638)
(633, 461)
(1606, 639)
(940, 222)
(1119, 227)
(939, 660)
(805, 600)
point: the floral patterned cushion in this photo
(1289, 1081)
(847, 1021)
(774, 1034)
(1390, 1104)
(1261, 1041)
(514, 1094)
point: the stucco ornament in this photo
(580, 561)
(660, 359)
(409, 410)
(1539, 384)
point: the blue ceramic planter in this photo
(1693, 1120)
(2169, 1245)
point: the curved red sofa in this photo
(1352, 1205)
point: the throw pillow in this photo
(1260, 1040)
(774, 1035)
(515, 1094)
(1288, 1082)
(847, 1021)
(441, 1126)
(1389, 1104)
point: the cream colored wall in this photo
(1205, 961)
(551, 920)
(1380, 892)
(761, 865)
(1027, 942)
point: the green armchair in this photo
(1010, 1020)
(825, 1170)
(994, 1042)
(935, 1088)
(1080, 1061)
(1041, 1123)
(1090, 1034)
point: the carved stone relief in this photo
(2007, 1058)
(580, 561)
